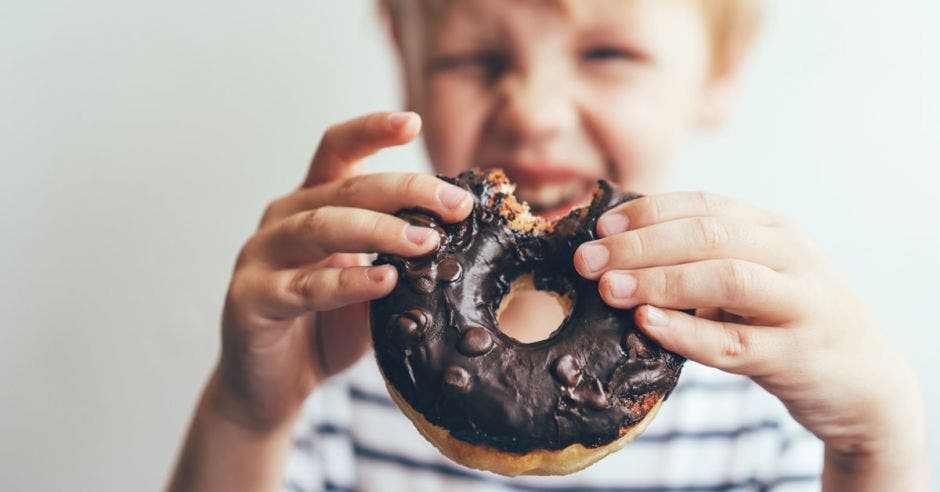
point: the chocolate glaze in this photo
(437, 342)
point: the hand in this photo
(769, 305)
(296, 310)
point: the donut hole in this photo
(528, 315)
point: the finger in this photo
(655, 209)
(313, 235)
(344, 144)
(714, 314)
(385, 192)
(731, 347)
(285, 294)
(687, 240)
(739, 287)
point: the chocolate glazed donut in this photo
(490, 401)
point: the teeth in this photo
(550, 195)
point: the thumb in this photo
(731, 347)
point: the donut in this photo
(485, 399)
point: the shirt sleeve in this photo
(798, 459)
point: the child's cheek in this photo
(639, 138)
(454, 114)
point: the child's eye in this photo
(610, 53)
(489, 64)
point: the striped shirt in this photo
(715, 432)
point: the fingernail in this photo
(595, 256)
(417, 235)
(656, 317)
(621, 285)
(451, 196)
(612, 224)
(377, 274)
(397, 121)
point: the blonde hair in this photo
(732, 25)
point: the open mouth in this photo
(554, 200)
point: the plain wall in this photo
(139, 142)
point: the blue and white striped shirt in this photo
(715, 432)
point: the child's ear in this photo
(722, 87)
(718, 100)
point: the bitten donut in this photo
(489, 401)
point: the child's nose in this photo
(534, 107)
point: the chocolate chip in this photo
(634, 346)
(406, 329)
(449, 271)
(419, 219)
(475, 341)
(410, 326)
(568, 370)
(414, 269)
(596, 398)
(457, 378)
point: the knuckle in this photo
(302, 285)
(664, 285)
(365, 126)
(710, 202)
(375, 224)
(350, 187)
(633, 244)
(313, 221)
(712, 232)
(683, 283)
(346, 280)
(736, 280)
(649, 210)
(410, 184)
(338, 138)
(735, 344)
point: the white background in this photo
(139, 142)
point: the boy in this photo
(558, 94)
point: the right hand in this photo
(296, 311)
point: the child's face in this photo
(559, 99)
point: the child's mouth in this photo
(554, 200)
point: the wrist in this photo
(226, 403)
(224, 451)
(885, 451)
(890, 468)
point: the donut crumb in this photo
(517, 214)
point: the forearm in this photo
(221, 454)
(895, 461)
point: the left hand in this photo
(769, 305)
